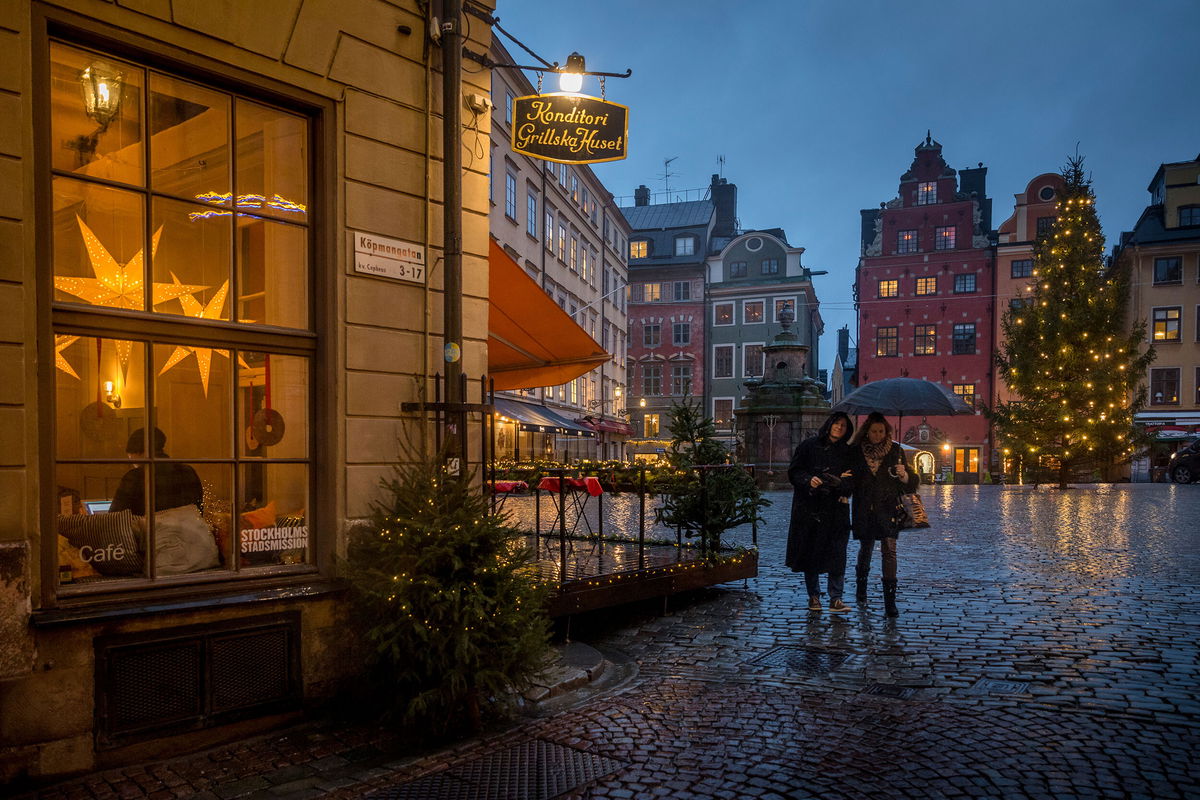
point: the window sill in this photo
(85, 609)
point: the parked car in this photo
(1184, 466)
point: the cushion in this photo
(108, 542)
(68, 556)
(183, 542)
(260, 517)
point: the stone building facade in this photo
(925, 310)
(187, 186)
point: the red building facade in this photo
(925, 288)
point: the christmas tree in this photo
(448, 599)
(702, 497)
(1068, 356)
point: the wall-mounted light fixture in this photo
(110, 394)
(642, 402)
(102, 89)
(570, 77)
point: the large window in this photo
(906, 242)
(639, 248)
(927, 286)
(752, 360)
(1166, 324)
(1168, 270)
(652, 292)
(723, 361)
(944, 238)
(964, 338)
(681, 379)
(650, 425)
(1022, 268)
(967, 392)
(889, 288)
(1164, 386)
(925, 340)
(651, 379)
(926, 193)
(887, 341)
(181, 206)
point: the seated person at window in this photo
(174, 484)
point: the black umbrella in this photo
(900, 396)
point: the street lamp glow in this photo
(570, 79)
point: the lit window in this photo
(562, 242)
(925, 340)
(650, 425)
(926, 193)
(943, 238)
(1166, 324)
(723, 412)
(927, 286)
(1022, 268)
(652, 292)
(685, 245)
(752, 312)
(887, 341)
(964, 284)
(784, 304)
(158, 410)
(723, 314)
(639, 248)
(906, 242)
(966, 459)
(967, 392)
(889, 288)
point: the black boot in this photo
(860, 588)
(889, 599)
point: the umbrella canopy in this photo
(904, 397)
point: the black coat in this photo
(820, 523)
(877, 496)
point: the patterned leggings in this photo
(887, 547)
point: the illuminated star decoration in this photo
(117, 285)
(62, 343)
(192, 308)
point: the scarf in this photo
(874, 454)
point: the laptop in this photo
(97, 506)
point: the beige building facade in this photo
(221, 271)
(1162, 256)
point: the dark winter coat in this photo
(820, 524)
(877, 496)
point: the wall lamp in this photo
(110, 394)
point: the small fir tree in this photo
(449, 598)
(1067, 355)
(704, 502)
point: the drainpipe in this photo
(452, 44)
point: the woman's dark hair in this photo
(860, 435)
(828, 425)
(137, 442)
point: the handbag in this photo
(910, 513)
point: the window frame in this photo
(762, 312)
(737, 269)
(676, 339)
(967, 397)
(892, 339)
(681, 379)
(732, 314)
(642, 246)
(1157, 374)
(945, 237)
(681, 291)
(925, 340)
(1044, 226)
(1012, 268)
(1166, 322)
(921, 279)
(746, 361)
(724, 425)
(651, 335)
(314, 344)
(531, 213)
(732, 348)
(927, 193)
(961, 279)
(510, 195)
(958, 341)
(906, 244)
(685, 245)
(1168, 281)
(768, 266)
(651, 378)
(887, 287)
(1193, 215)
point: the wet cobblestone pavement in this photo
(1046, 648)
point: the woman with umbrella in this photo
(820, 524)
(880, 477)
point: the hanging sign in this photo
(570, 128)
(388, 258)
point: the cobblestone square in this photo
(1046, 648)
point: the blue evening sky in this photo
(817, 105)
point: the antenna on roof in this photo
(667, 175)
(721, 166)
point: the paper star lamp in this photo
(192, 308)
(62, 343)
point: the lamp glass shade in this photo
(102, 85)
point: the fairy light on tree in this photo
(1080, 307)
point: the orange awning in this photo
(531, 341)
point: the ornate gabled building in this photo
(923, 289)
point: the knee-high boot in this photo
(889, 599)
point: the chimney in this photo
(641, 195)
(724, 199)
(844, 343)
